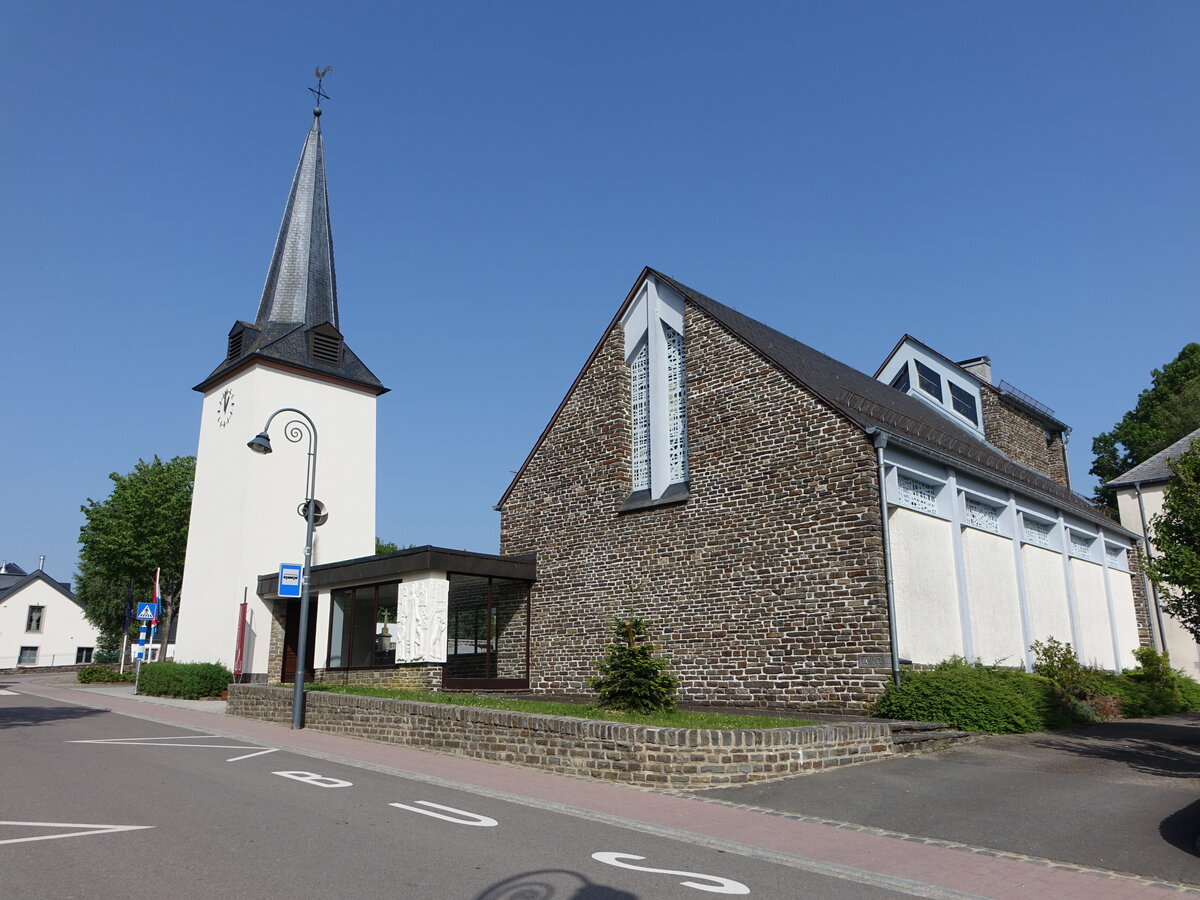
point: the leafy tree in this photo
(140, 527)
(631, 676)
(382, 546)
(1176, 536)
(1165, 412)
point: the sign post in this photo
(146, 612)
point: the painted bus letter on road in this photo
(315, 779)
(720, 885)
(460, 817)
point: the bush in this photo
(1087, 694)
(190, 681)
(107, 657)
(1189, 692)
(631, 677)
(975, 698)
(101, 674)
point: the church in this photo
(794, 530)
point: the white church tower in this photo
(244, 509)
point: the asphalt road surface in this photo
(97, 804)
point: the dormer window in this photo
(325, 345)
(656, 356)
(963, 402)
(234, 349)
(929, 380)
(902, 382)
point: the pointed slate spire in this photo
(301, 285)
(297, 322)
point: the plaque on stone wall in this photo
(874, 661)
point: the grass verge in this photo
(677, 718)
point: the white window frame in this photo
(87, 652)
(1072, 534)
(21, 661)
(906, 496)
(971, 500)
(1026, 519)
(1119, 560)
(656, 308)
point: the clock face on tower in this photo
(225, 405)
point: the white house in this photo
(1139, 499)
(41, 622)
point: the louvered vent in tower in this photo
(325, 348)
(235, 346)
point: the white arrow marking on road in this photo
(462, 817)
(92, 829)
(722, 886)
(9, 693)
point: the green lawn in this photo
(674, 719)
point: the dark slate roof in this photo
(873, 405)
(300, 293)
(1155, 468)
(10, 589)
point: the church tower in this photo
(244, 519)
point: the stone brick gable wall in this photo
(1022, 438)
(763, 587)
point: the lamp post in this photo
(294, 431)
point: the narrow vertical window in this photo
(676, 404)
(33, 621)
(639, 389)
(654, 351)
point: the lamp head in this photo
(261, 443)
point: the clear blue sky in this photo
(1012, 178)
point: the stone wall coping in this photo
(595, 729)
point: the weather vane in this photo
(317, 92)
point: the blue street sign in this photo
(147, 612)
(289, 579)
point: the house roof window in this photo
(964, 402)
(928, 380)
(902, 382)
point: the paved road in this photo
(1120, 796)
(224, 823)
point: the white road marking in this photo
(257, 753)
(721, 885)
(176, 741)
(461, 817)
(91, 829)
(314, 779)
(9, 693)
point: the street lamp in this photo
(294, 431)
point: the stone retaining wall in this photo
(613, 751)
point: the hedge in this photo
(102, 674)
(191, 681)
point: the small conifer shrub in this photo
(631, 677)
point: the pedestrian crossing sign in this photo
(147, 612)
